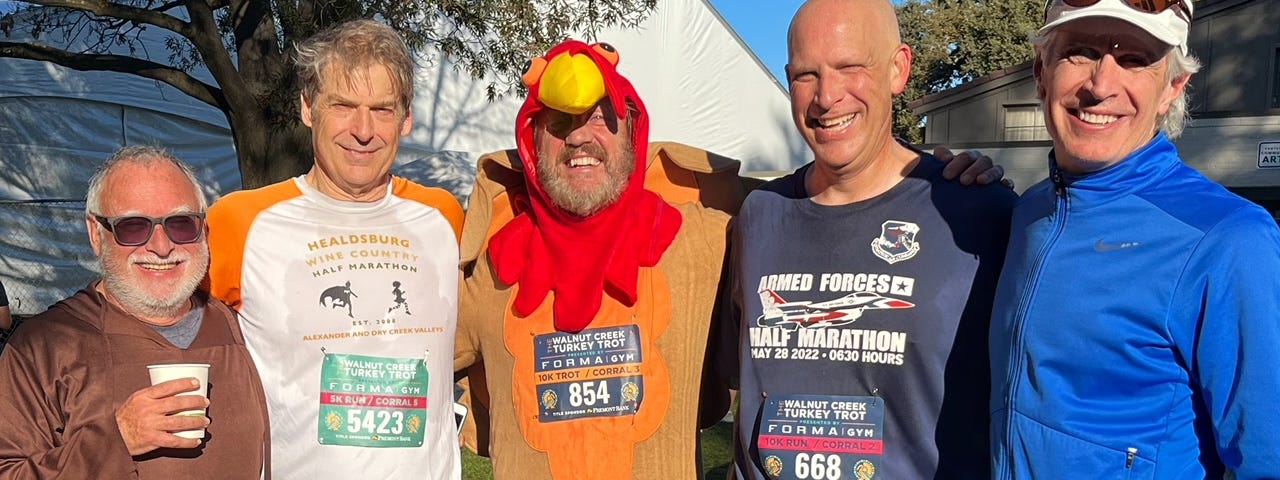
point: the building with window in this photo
(1233, 137)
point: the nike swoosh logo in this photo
(1107, 247)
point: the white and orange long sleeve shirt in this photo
(349, 310)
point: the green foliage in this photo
(501, 35)
(957, 41)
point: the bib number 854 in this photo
(817, 466)
(588, 393)
(375, 421)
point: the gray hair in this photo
(141, 155)
(351, 46)
(1174, 121)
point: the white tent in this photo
(701, 84)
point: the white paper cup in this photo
(199, 371)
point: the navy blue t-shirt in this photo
(862, 329)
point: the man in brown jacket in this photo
(74, 384)
(592, 260)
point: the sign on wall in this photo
(1269, 155)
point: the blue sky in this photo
(762, 24)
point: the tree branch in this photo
(207, 40)
(118, 63)
(134, 14)
(169, 6)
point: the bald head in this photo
(845, 63)
(876, 17)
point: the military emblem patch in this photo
(897, 241)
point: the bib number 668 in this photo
(817, 466)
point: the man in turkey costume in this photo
(591, 263)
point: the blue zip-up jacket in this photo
(1136, 329)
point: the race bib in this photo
(372, 401)
(592, 373)
(817, 437)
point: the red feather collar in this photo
(545, 249)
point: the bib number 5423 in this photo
(817, 466)
(375, 421)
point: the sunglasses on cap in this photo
(1144, 6)
(132, 231)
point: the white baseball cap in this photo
(1167, 20)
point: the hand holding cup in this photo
(168, 414)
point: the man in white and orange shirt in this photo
(321, 266)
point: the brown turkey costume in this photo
(585, 338)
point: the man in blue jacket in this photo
(1136, 324)
(862, 283)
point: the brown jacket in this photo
(65, 372)
(673, 315)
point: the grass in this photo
(475, 467)
(717, 453)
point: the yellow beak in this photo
(571, 84)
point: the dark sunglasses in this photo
(133, 231)
(1144, 6)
